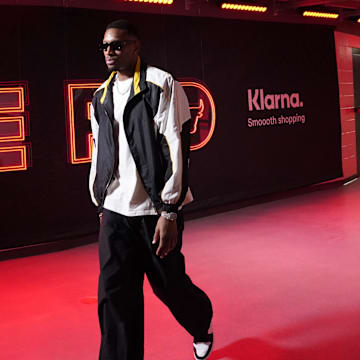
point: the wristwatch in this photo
(170, 216)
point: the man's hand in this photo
(166, 235)
(100, 218)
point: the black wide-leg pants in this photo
(126, 253)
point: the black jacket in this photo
(157, 127)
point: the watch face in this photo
(169, 216)
(172, 216)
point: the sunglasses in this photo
(115, 45)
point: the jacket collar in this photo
(139, 82)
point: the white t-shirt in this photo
(126, 194)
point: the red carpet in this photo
(283, 278)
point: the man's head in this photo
(121, 46)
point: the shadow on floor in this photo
(331, 337)
(257, 349)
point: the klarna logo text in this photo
(257, 100)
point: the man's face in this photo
(124, 59)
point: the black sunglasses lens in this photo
(115, 45)
(103, 46)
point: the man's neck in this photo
(126, 74)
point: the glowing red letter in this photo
(78, 98)
(13, 151)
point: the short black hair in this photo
(123, 24)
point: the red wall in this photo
(344, 44)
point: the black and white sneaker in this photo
(203, 347)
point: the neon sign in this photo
(77, 111)
(14, 153)
(202, 107)
(78, 97)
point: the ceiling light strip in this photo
(321, 14)
(243, 7)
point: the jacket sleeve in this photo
(92, 175)
(173, 121)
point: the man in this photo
(138, 179)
